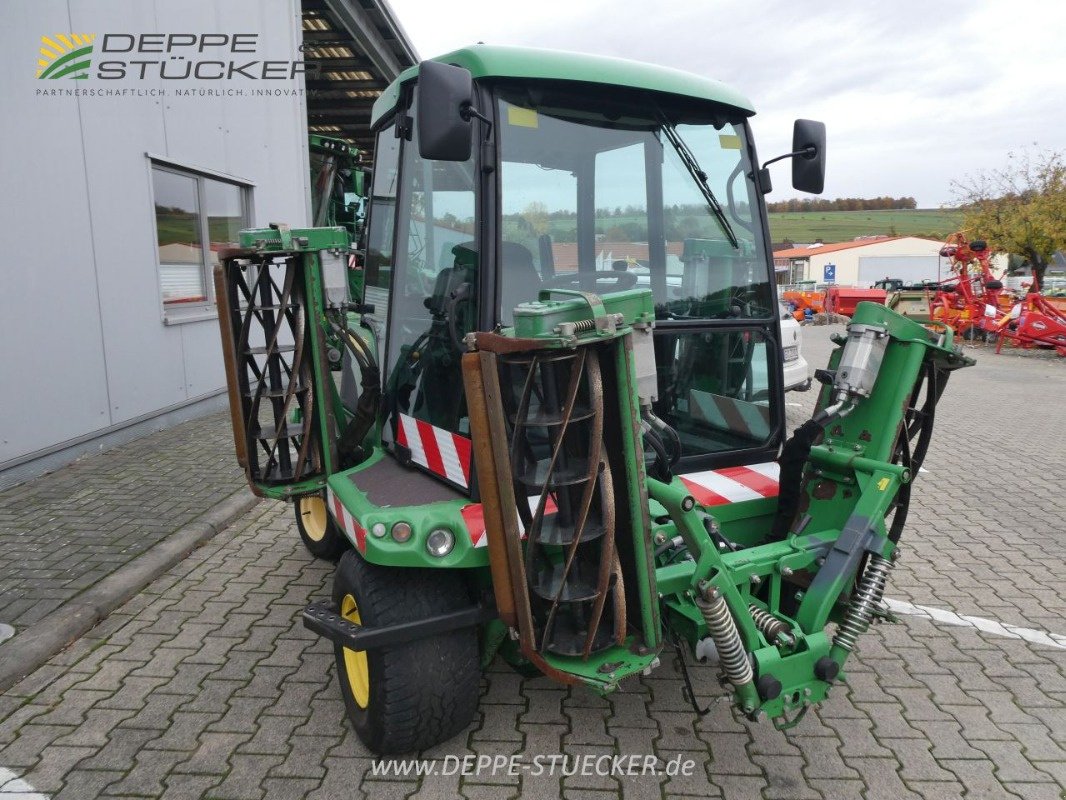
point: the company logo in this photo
(65, 55)
(167, 56)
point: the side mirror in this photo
(808, 165)
(443, 120)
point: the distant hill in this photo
(843, 226)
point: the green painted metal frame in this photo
(854, 461)
(422, 517)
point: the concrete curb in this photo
(32, 647)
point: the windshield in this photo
(597, 195)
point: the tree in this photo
(536, 215)
(1019, 209)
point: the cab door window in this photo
(434, 289)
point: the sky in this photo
(915, 95)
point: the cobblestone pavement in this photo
(206, 685)
(63, 532)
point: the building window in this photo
(195, 217)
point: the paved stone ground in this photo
(63, 532)
(206, 685)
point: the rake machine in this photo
(1033, 322)
(973, 300)
(516, 454)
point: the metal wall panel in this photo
(144, 357)
(80, 310)
(54, 385)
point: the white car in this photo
(797, 374)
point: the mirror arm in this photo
(467, 110)
(488, 152)
(807, 152)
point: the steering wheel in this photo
(582, 280)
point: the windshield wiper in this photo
(698, 175)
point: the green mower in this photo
(536, 412)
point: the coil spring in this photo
(723, 630)
(867, 595)
(583, 325)
(770, 626)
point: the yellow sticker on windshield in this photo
(522, 117)
(729, 141)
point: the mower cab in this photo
(552, 425)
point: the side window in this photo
(381, 231)
(434, 289)
(195, 217)
(714, 389)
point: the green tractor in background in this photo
(548, 423)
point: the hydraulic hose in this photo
(349, 444)
(662, 428)
(661, 468)
(794, 457)
(653, 430)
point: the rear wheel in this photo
(319, 533)
(414, 695)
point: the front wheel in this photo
(319, 533)
(414, 695)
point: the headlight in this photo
(378, 529)
(401, 532)
(440, 542)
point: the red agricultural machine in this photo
(844, 299)
(974, 302)
(1035, 321)
(804, 304)
(973, 299)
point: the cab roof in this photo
(490, 61)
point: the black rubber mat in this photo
(388, 483)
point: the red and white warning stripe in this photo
(441, 452)
(343, 517)
(474, 518)
(716, 487)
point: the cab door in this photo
(425, 293)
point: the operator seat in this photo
(518, 275)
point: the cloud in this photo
(914, 93)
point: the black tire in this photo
(319, 533)
(419, 693)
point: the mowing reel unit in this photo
(557, 457)
(271, 361)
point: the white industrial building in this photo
(862, 262)
(123, 177)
